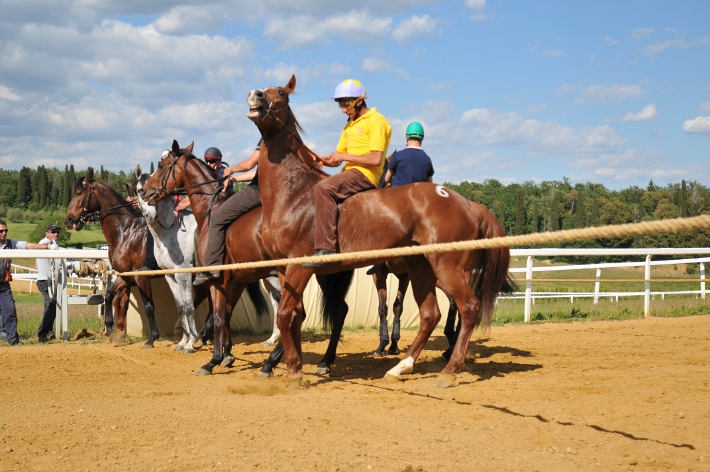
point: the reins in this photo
(86, 216)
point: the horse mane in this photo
(310, 163)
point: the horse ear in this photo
(89, 175)
(176, 146)
(138, 172)
(189, 148)
(291, 85)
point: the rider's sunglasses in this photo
(55, 231)
(212, 161)
(3, 231)
(347, 103)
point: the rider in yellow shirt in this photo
(363, 147)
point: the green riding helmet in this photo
(415, 131)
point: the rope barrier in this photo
(610, 231)
(677, 281)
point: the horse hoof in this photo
(188, 351)
(178, 348)
(391, 352)
(266, 375)
(378, 354)
(197, 344)
(389, 378)
(322, 370)
(203, 371)
(148, 345)
(111, 337)
(291, 381)
(228, 361)
(446, 380)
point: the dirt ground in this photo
(630, 395)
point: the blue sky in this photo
(610, 92)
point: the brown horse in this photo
(126, 233)
(180, 171)
(416, 214)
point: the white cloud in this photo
(301, 30)
(374, 65)
(476, 4)
(556, 53)
(609, 41)
(657, 133)
(647, 113)
(7, 94)
(700, 125)
(187, 19)
(442, 87)
(610, 93)
(657, 48)
(338, 70)
(704, 107)
(642, 33)
(416, 26)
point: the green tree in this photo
(683, 200)
(520, 213)
(24, 187)
(152, 168)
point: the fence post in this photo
(702, 277)
(647, 287)
(596, 286)
(528, 288)
(30, 285)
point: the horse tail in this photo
(257, 298)
(490, 273)
(334, 287)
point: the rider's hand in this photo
(133, 201)
(227, 179)
(332, 160)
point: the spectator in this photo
(44, 333)
(7, 302)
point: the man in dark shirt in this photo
(411, 164)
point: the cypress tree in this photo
(66, 187)
(152, 169)
(580, 214)
(683, 200)
(520, 214)
(24, 187)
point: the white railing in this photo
(529, 270)
(73, 281)
(59, 278)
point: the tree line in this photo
(521, 208)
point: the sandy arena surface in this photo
(631, 395)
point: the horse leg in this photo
(120, 307)
(380, 279)
(457, 284)
(117, 286)
(450, 332)
(175, 289)
(232, 299)
(290, 320)
(397, 309)
(146, 291)
(329, 358)
(273, 287)
(424, 290)
(275, 357)
(218, 296)
(207, 333)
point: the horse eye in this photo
(281, 93)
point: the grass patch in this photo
(30, 307)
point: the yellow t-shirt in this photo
(370, 132)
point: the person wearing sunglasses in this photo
(213, 159)
(235, 206)
(44, 333)
(7, 302)
(362, 147)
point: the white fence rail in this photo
(529, 270)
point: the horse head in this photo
(169, 176)
(84, 205)
(269, 109)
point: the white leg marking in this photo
(405, 366)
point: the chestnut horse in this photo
(126, 233)
(417, 214)
(180, 171)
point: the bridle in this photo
(164, 192)
(273, 112)
(87, 216)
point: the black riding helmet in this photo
(213, 153)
